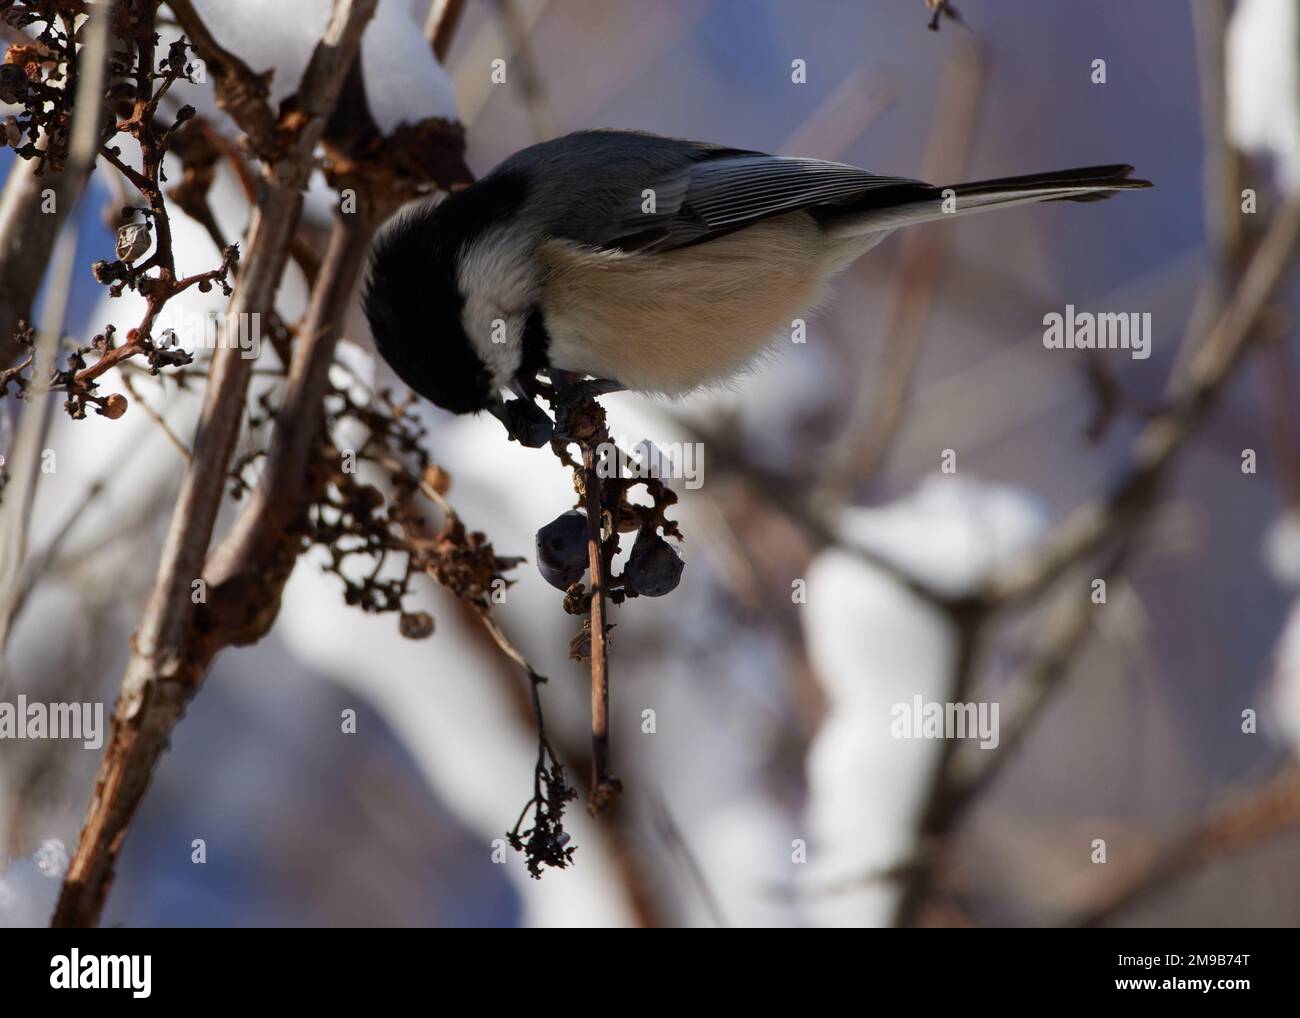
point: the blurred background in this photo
(770, 790)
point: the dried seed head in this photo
(114, 406)
(416, 625)
(132, 241)
(13, 83)
(437, 478)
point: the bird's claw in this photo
(530, 425)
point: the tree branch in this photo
(1244, 820)
(1189, 399)
(1114, 517)
(164, 673)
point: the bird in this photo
(648, 263)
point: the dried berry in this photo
(132, 241)
(437, 478)
(527, 423)
(653, 568)
(416, 625)
(114, 406)
(562, 549)
(13, 83)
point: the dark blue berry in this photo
(653, 568)
(562, 549)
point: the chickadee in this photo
(657, 264)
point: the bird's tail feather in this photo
(904, 204)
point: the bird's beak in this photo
(521, 390)
(497, 408)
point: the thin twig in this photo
(580, 419)
(1188, 400)
(526, 73)
(603, 785)
(1249, 818)
(129, 385)
(961, 775)
(440, 26)
(968, 631)
(677, 843)
(20, 498)
(877, 412)
(1067, 625)
(240, 91)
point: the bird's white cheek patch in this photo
(498, 281)
(497, 336)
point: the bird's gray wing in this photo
(718, 194)
(630, 191)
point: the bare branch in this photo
(1242, 821)
(1189, 400)
(33, 210)
(877, 412)
(441, 24)
(164, 673)
(240, 92)
(1117, 517)
(603, 784)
